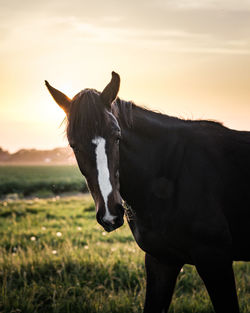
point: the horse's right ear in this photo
(61, 99)
(111, 90)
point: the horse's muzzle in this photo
(110, 227)
(115, 223)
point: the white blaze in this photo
(103, 174)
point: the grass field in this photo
(54, 257)
(40, 180)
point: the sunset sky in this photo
(188, 58)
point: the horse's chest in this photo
(155, 241)
(140, 229)
(145, 238)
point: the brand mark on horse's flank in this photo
(103, 174)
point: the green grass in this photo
(54, 257)
(40, 180)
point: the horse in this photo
(182, 184)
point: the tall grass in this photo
(54, 257)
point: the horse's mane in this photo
(125, 111)
(86, 106)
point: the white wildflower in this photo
(131, 250)
(59, 234)
(33, 238)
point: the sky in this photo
(187, 58)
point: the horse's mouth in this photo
(108, 227)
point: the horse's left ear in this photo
(61, 99)
(111, 90)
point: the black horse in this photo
(186, 187)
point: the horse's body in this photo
(186, 185)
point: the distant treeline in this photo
(33, 156)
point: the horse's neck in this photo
(138, 153)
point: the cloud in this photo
(225, 5)
(172, 40)
(175, 30)
(55, 32)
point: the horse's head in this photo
(94, 134)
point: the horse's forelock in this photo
(86, 115)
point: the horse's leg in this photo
(220, 284)
(161, 279)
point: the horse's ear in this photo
(61, 99)
(111, 90)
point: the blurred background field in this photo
(54, 257)
(40, 181)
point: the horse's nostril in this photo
(119, 222)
